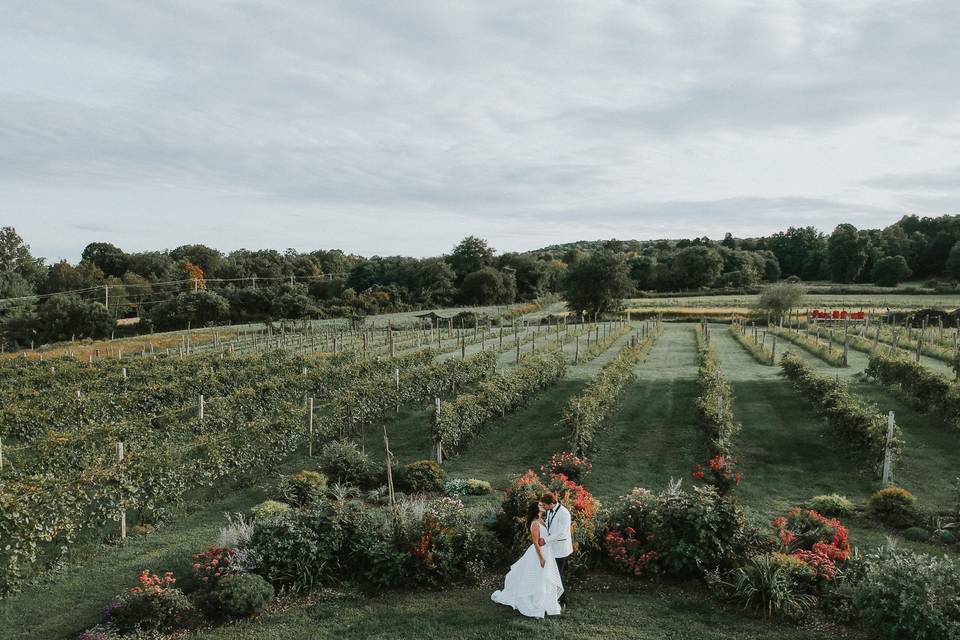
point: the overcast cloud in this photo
(400, 127)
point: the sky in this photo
(401, 127)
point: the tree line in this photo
(197, 285)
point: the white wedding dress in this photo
(529, 588)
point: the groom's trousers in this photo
(561, 567)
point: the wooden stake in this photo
(439, 442)
(386, 448)
(887, 477)
(310, 427)
(123, 514)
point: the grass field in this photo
(733, 303)
(784, 451)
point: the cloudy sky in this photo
(400, 127)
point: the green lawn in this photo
(468, 614)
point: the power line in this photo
(188, 281)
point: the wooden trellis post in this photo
(200, 408)
(846, 342)
(310, 427)
(123, 514)
(439, 440)
(386, 448)
(887, 478)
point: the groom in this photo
(558, 535)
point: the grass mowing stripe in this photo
(653, 435)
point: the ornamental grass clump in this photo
(773, 586)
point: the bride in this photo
(533, 586)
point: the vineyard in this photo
(145, 449)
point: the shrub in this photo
(455, 488)
(916, 534)
(301, 549)
(213, 564)
(772, 586)
(269, 509)
(905, 595)
(303, 488)
(947, 537)
(240, 596)
(155, 605)
(895, 507)
(676, 533)
(575, 467)
(433, 542)
(478, 487)
(344, 463)
(425, 475)
(819, 542)
(458, 487)
(832, 505)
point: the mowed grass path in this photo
(653, 436)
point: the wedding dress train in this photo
(531, 589)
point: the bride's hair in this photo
(533, 513)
